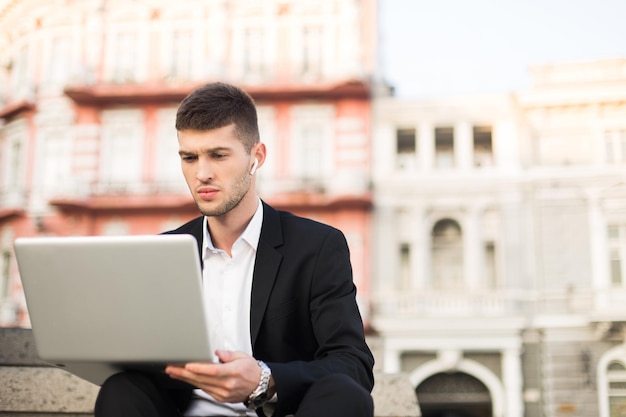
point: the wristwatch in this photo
(259, 395)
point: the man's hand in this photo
(232, 380)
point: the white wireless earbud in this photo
(253, 169)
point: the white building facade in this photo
(500, 242)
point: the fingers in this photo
(231, 380)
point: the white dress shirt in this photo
(227, 287)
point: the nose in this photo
(204, 171)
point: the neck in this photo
(226, 229)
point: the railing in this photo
(429, 303)
(19, 196)
(440, 303)
(14, 197)
(357, 184)
(134, 188)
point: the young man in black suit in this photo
(278, 290)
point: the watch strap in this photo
(258, 397)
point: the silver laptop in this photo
(102, 304)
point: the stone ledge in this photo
(29, 387)
(54, 391)
(394, 396)
(44, 389)
(12, 414)
(17, 347)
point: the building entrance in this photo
(454, 394)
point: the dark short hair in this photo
(217, 105)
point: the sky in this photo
(433, 48)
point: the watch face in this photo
(258, 401)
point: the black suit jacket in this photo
(304, 320)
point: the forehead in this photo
(223, 137)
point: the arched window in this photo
(616, 379)
(447, 255)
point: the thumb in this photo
(226, 356)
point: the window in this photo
(267, 130)
(616, 378)
(181, 55)
(21, 75)
(60, 60)
(254, 52)
(405, 266)
(405, 147)
(490, 265)
(615, 146)
(168, 172)
(125, 60)
(312, 52)
(444, 147)
(312, 153)
(491, 229)
(12, 165)
(122, 150)
(483, 152)
(447, 255)
(617, 253)
(55, 169)
(310, 135)
(405, 140)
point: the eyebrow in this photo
(206, 151)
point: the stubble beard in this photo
(239, 191)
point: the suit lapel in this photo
(266, 266)
(197, 232)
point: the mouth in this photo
(207, 194)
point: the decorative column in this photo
(391, 360)
(463, 146)
(512, 380)
(420, 249)
(383, 150)
(426, 146)
(473, 247)
(600, 279)
(384, 279)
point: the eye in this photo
(188, 158)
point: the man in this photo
(279, 296)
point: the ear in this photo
(258, 152)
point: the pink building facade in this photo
(88, 95)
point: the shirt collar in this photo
(250, 235)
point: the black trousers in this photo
(134, 394)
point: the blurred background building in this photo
(89, 90)
(499, 278)
(488, 233)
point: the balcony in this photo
(10, 110)
(594, 305)
(449, 304)
(319, 193)
(124, 196)
(130, 93)
(135, 93)
(13, 198)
